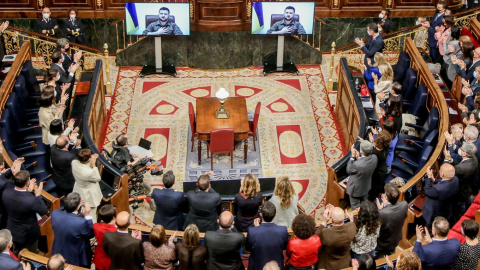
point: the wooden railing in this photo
(46, 222)
(28, 256)
(7, 86)
(315, 38)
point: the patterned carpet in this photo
(297, 130)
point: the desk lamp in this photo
(222, 113)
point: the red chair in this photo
(193, 124)
(253, 125)
(221, 142)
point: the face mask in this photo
(437, 10)
(380, 15)
(417, 23)
(72, 17)
(58, 78)
(55, 93)
(475, 75)
(46, 15)
(63, 58)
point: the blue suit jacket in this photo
(72, 235)
(169, 205)
(4, 184)
(437, 20)
(372, 47)
(438, 255)
(439, 199)
(266, 242)
(9, 263)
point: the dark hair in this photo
(441, 226)
(467, 50)
(455, 32)
(449, 22)
(373, 27)
(303, 226)
(56, 56)
(382, 25)
(158, 236)
(366, 262)
(71, 202)
(70, 10)
(56, 127)
(383, 139)
(51, 74)
(203, 182)
(122, 139)
(168, 179)
(289, 7)
(106, 213)
(21, 178)
(268, 211)
(369, 217)
(61, 142)
(397, 88)
(443, 3)
(84, 155)
(395, 108)
(46, 99)
(164, 8)
(389, 126)
(392, 192)
(470, 228)
(387, 11)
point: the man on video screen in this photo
(288, 25)
(163, 26)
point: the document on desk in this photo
(9, 58)
(367, 104)
(452, 111)
(137, 150)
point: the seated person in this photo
(121, 156)
(288, 25)
(47, 25)
(163, 26)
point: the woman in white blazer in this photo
(87, 176)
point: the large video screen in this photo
(157, 19)
(282, 18)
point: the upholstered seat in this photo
(221, 142)
(253, 125)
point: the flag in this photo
(131, 18)
(257, 17)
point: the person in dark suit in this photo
(73, 233)
(375, 43)
(467, 71)
(3, 26)
(63, 45)
(6, 260)
(168, 202)
(440, 253)
(360, 168)
(74, 27)
(224, 245)
(436, 22)
(384, 17)
(22, 208)
(393, 214)
(66, 75)
(467, 172)
(6, 183)
(62, 164)
(190, 253)
(266, 241)
(125, 250)
(440, 193)
(203, 204)
(46, 25)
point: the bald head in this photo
(477, 53)
(225, 220)
(123, 220)
(338, 215)
(447, 171)
(56, 262)
(62, 142)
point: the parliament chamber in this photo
(304, 114)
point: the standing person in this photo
(384, 17)
(46, 115)
(61, 159)
(383, 83)
(56, 130)
(47, 25)
(106, 215)
(125, 250)
(203, 205)
(368, 224)
(224, 245)
(393, 214)
(247, 202)
(285, 201)
(444, 33)
(191, 254)
(360, 168)
(23, 203)
(87, 178)
(380, 150)
(3, 27)
(266, 241)
(74, 27)
(470, 251)
(159, 253)
(302, 249)
(335, 240)
(63, 45)
(6, 260)
(375, 43)
(435, 24)
(73, 233)
(371, 69)
(168, 202)
(6, 183)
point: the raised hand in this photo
(430, 174)
(64, 87)
(77, 55)
(171, 238)
(71, 123)
(389, 263)
(31, 184)
(419, 232)
(449, 137)
(451, 49)
(137, 234)
(446, 153)
(428, 238)
(38, 190)
(454, 59)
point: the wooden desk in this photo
(206, 121)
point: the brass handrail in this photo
(44, 46)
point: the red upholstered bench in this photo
(466, 32)
(456, 230)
